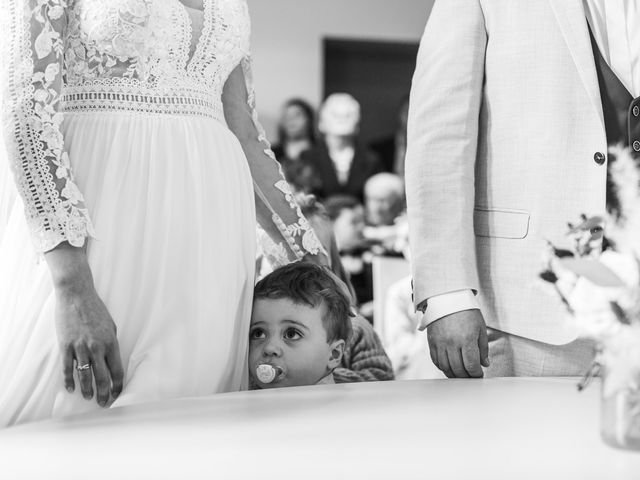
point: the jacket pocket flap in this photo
(501, 223)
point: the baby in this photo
(300, 326)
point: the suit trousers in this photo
(514, 356)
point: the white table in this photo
(438, 429)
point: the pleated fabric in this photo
(7, 189)
(171, 199)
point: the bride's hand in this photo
(86, 331)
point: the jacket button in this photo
(636, 111)
(636, 146)
(599, 158)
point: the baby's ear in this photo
(336, 352)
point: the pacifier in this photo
(266, 373)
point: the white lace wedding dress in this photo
(116, 137)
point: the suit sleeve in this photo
(443, 126)
(448, 304)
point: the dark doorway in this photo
(377, 74)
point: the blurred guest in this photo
(295, 130)
(322, 225)
(385, 212)
(296, 135)
(347, 216)
(393, 149)
(319, 219)
(405, 345)
(384, 199)
(341, 163)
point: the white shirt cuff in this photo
(452, 302)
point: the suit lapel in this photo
(571, 17)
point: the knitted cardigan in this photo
(364, 358)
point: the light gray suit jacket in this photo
(504, 124)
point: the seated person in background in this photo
(342, 164)
(406, 346)
(302, 332)
(385, 212)
(347, 216)
(384, 199)
(317, 215)
(296, 135)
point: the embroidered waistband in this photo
(183, 102)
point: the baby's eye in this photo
(257, 333)
(292, 334)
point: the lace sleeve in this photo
(289, 236)
(32, 68)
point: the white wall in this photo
(287, 41)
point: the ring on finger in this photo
(84, 366)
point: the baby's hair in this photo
(309, 284)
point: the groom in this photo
(513, 106)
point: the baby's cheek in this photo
(303, 370)
(254, 353)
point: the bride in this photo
(127, 263)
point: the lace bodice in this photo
(118, 47)
(134, 55)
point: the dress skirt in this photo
(7, 189)
(173, 259)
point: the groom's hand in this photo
(458, 344)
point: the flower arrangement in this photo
(598, 279)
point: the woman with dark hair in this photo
(296, 135)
